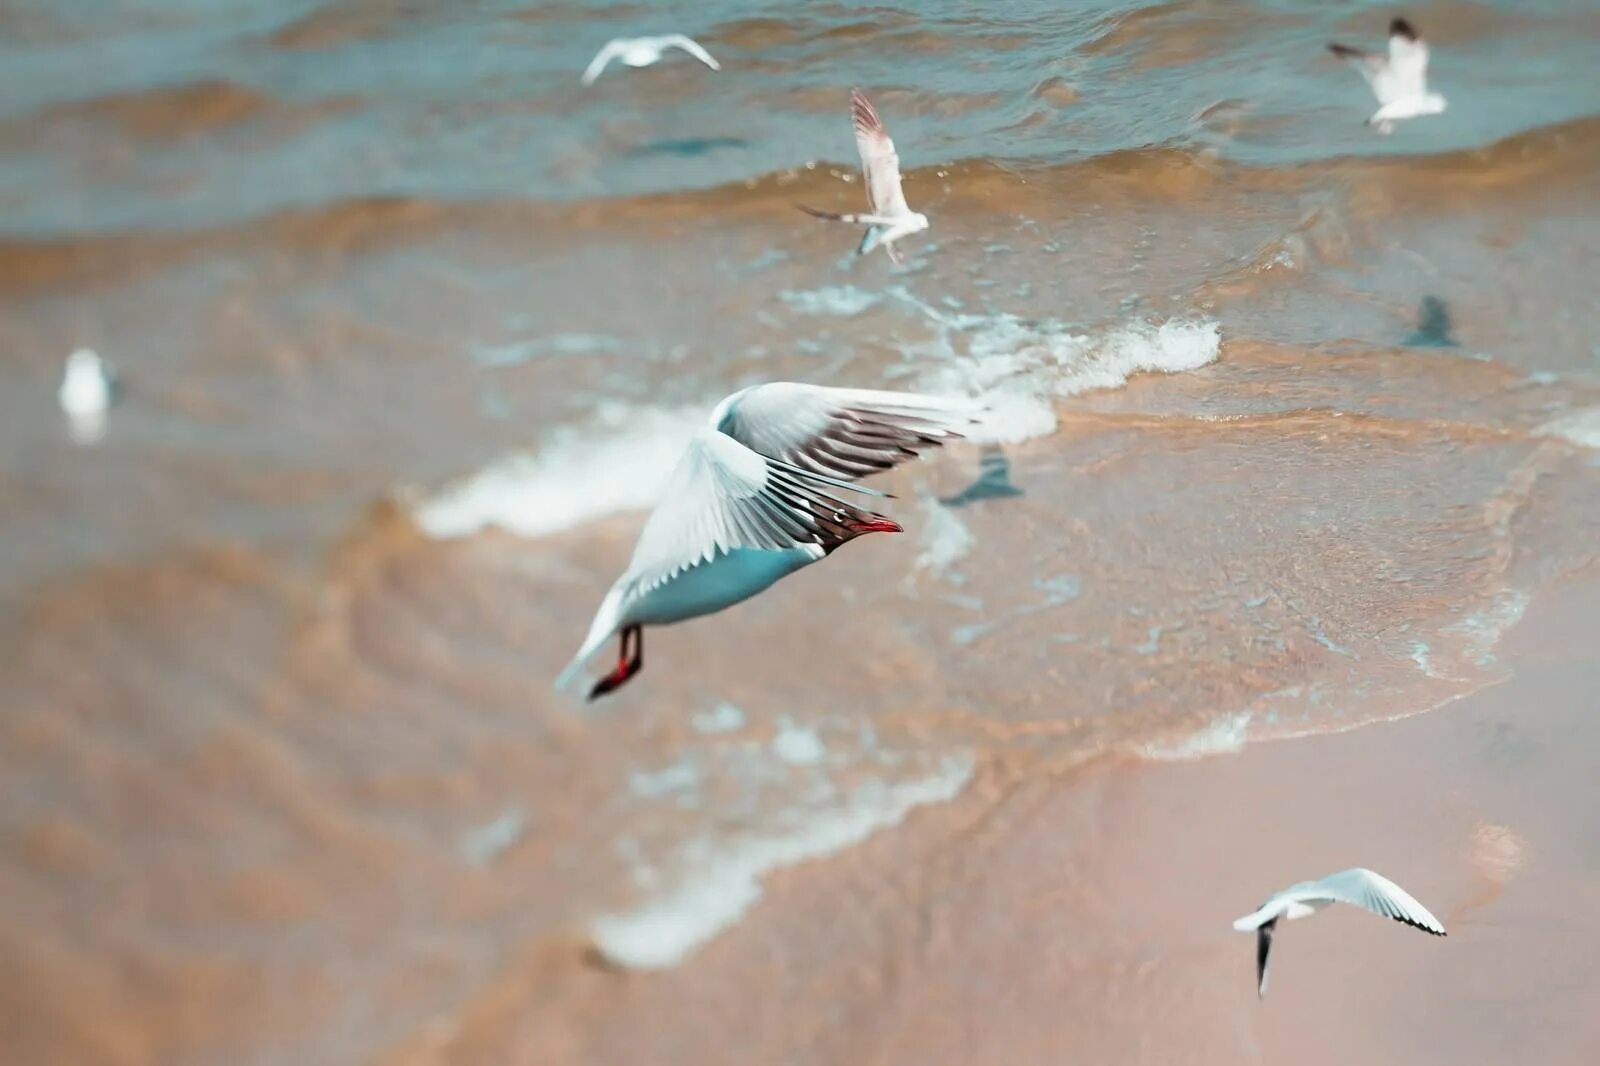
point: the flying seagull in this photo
(753, 500)
(87, 388)
(643, 52)
(1399, 80)
(1358, 886)
(888, 218)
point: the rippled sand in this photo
(1290, 436)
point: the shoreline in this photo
(1087, 913)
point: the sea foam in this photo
(1225, 736)
(724, 878)
(943, 537)
(1017, 367)
(616, 463)
(1579, 427)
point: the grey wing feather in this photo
(880, 165)
(842, 433)
(722, 496)
(1372, 66)
(1376, 893)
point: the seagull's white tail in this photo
(1254, 920)
(602, 629)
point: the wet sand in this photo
(1085, 916)
(1297, 424)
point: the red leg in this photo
(628, 663)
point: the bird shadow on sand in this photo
(688, 147)
(993, 481)
(1433, 325)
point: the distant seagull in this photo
(87, 388)
(643, 52)
(1363, 888)
(889, 218)
(1399, 80)
(750, 503)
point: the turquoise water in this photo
(481, 100)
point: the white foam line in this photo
(1016, 368)
(617, 463)
(842, 301)
(944, 538)
(622, 457)
(1225, 736)
(665, 930)
(1580, 427)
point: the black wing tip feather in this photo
(865, 115)
(1399, 27)
(1418, 925)
(814, 213)
(1344, 51)
(1263, 950)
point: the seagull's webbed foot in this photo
(628, 663)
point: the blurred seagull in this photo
(1399, 80)
(1357, 886)
(87, 388)
(889, 218)
(752, 501)
(643, 52)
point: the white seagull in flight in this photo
(752, 501)
(87, 388)
(889, 218)
(1357, 886)
(643, 52)
(1399, 80)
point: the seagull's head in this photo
(84, 363)
(917, 222)
(1433, 104)
(854, 523)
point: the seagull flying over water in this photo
(87, 389)
(1399, 80)
(643, 52)
(1358, 886)
(752, 500)
(889, 218)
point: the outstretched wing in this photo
(1263, 950)
(842, 433)
(723, 496)
(1376, 893)
(879, 163)
(601, 58)
(1372, 66)
(690, 45)
(1408, 60)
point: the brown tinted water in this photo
(1294, 432)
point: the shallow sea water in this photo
(1290, 425)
